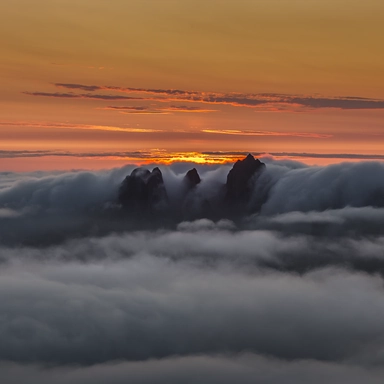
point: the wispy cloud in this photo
(159, 110)
(260, 101)
(347, 156)
(265, 133)
(77, 126)
(164, 156)
(56, 153)
(149, 156)
(149, 112)
(234, 132)
(119, 108)
(81, 96)
(175, 92)
(136, 110)
(187, 109)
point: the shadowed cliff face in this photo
(238, 188)
(144, 192)
(192, 178)
(240, 182)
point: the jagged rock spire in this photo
(238, 188)
(143, 191)
(192, 178)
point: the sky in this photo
(256, 274)
(96, 84)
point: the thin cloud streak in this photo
(150, 156)
(135, 110)
(79, 127)
(186, 109)
(81, 96)
(91, 88)
(166, 156)
(119, 108)
(145, 113)
(328, 155)
(147, 130)
(350, 156)
(274, 101)
(158, 110)
(265, 133)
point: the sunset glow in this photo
(191, 191)
(234, 76)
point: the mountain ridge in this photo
(144, 192)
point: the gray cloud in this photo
(81, 96)
(92, 88)
(320, 188)
(133, 154)
(347, 156)
(141, 307)
(339, 103)
(86, 201)
(293, 293)
(159, 110)
(247, 369)
(126, 108)
(239, 99)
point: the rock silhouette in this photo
(240, 182)
(192, 178)
(144, 192)
(238, 188)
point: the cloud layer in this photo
(248, 369)
(86, 202)
(134, 297)
(293, 293)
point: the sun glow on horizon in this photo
(30, 160)
(227, 76)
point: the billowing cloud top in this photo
(90, 293)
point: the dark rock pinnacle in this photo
(192, 178)
(238, 179)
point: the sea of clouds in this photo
(292, 294)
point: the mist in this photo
(291, 292)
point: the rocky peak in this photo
(155, 179)
(238, 188)
(143, 190)
(192, 178)
(141, 173)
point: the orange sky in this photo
(276, 76)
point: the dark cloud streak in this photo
(81, 96)
(235, 99)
